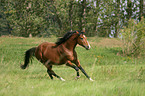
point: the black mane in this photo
(64, 38)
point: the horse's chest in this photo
(70, 56)
(66, 56)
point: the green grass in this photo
(114, 75)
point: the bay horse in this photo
(61, 52)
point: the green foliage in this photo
(103, 18)
(133, 37)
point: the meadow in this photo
(114, 74)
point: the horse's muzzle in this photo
(88, 47)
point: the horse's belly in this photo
(58, 61)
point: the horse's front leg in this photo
(83, 71)
(74, 67)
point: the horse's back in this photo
(46, 46)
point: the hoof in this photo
(23, 67)
(91, 79)
(77, 77)
(62, 79)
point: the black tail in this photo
(28, 54)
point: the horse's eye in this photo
(81, 38)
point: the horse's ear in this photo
(77, 32)
(80, 32)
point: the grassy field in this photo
(114, 75)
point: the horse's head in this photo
(82, 40)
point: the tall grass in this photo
(114, 75)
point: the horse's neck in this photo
(70, 44)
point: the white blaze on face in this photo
(87, 42)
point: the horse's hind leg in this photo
(74, 67)
(51, 73)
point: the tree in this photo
(82, 14)
(141, 10)
(103, 18)
(71, 3)
(106, 20)
(96, 13)
(5, 27)
(117, 14)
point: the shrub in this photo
(133, 37)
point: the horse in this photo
(58, 53)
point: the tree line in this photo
(103, 18)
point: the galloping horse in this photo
(61, 52)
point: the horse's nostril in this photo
(88, 47)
